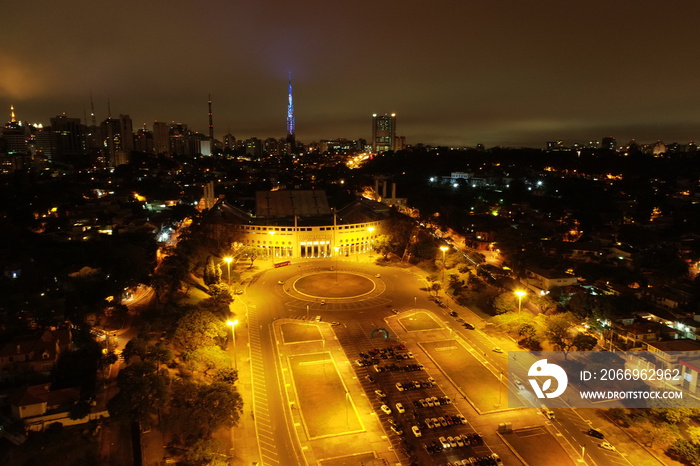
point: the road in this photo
(268, 300)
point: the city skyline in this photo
(463, 75)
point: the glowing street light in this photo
(444, 250)
(233, 323)
(228, 265)
(520, 295)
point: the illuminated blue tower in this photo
(290, 115)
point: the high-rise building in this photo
(161, 138)
(14, 135)
(68, 136)
(126, 130)
(110, 129)
(383, 132)
(608, 143)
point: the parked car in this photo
(416, 431)
(380, 393)
(400, 408)
(386, 409)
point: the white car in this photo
(519, 384)
(400, 408)
(380, 393)
(497, 349)
(386, 409)
(399, 386)
(607, 446)
(416, 431)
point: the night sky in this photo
(455, 72)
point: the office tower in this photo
(143, 140)
(110, 129)
(126, 130)
(608, 143)
(229, 141)
(68, 138)
(161, 139)
(383, 132)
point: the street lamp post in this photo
(336, 248)
(228, 265)
(233, 323)
(520, 295)
(444, 250)
(272, 248)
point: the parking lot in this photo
(415, 412)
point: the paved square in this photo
(479, 384)
(324, 404)
(537, 446)
(299, 332)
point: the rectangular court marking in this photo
(479, 384)
(351, 460)
(419, 321)
(324, 406)
(293, 332)
(543, 450)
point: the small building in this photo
(28, 355)
(542, 281)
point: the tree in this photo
(79, 410)
(583, 342)
(686, 450)
(197, 410)
(211, 357)
(204, 452)
(221, 293)
(135, 347)
(505, 302)
(160, 353)
(226, 374)
(212, 272)
(436, 287)
(655, 433)
(197, 329)
(142, 392)
(694, 434)
(558, 330)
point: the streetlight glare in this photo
(520, 294)
(231, 322)
(228, 259)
